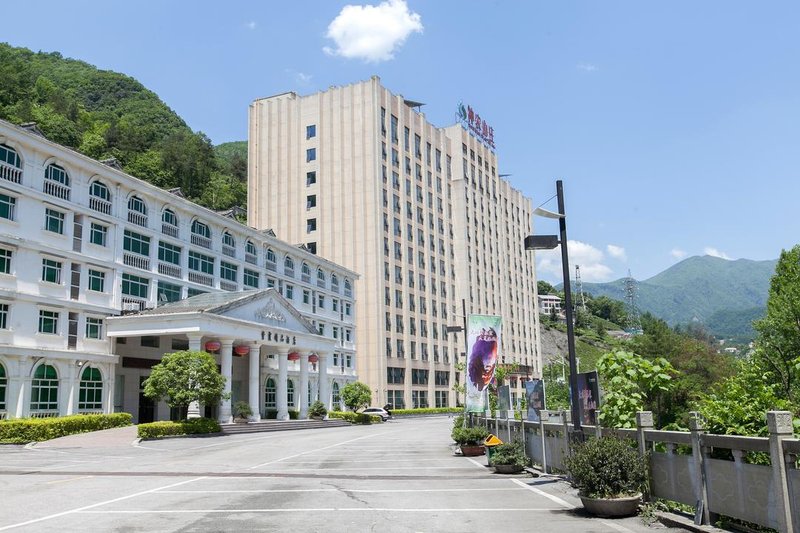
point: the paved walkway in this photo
(106, 438)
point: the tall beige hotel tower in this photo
(358, 175)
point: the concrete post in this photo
(282, 392)
(697, 429)
(779, 424)
(543, 417)
(303, 386)
(598, 428)
(195, 345)
(644, 422)
(226, 364)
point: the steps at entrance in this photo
(281, 425)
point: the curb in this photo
(679, 521)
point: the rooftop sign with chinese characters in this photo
(473, 122)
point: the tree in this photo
(356, 395)
(542, 287)
(185, 377)
(778, 340)
(609, 309)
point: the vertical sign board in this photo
(483, 341)
(534, 397)
(503, 398)
(588, 397)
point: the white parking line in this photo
(326, 509)
(476, 463)
(87, 507)
(540, 492)
(355, 491)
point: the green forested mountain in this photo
(714, 291)
(105, 114)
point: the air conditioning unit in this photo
(130, 306)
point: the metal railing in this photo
(10, 173)
(53, 188)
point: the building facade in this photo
(360, 176)
(81, 241)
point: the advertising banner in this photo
(483, 341)
(534, 397)
(503, 398)
(588, 397)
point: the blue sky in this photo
(675, 126)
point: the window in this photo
(334, 305)
(306, 296)
(194, 292)
(321, 329)
(201, 263)
(97, 280)
(393, 129)
(54, 221)
(169, 253)
(348, 309)
(5, 261)
(311, 225)
(135, 286)
(99, 190)
(94, 328)
(198, 228)
(348, 288)
(250, 249)
(3, 379)
(3, 317)
(334, 283)
(9, 156)
(311, 154)
(289, 292)
(168, 217)
(44, 389)
(90, 394)
(137, 211)
(311, 201)
(321, 301)
(228, 271)
(8, 206)
(395, 375)
(311, 131)
(250, 278)
(48, 322)
(270, 394)
(305, 272)
(51, 271)
(288, 266)
(290, 392)
(335, 398)
(320, 279)
(57, 174)
(136, 243)
(98, 234)
(228, 240)
(311, 178)
(168, 292)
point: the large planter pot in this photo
(611, 507)
(470, 450)
(508, 469)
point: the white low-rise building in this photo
(549, 304)
(81, 241)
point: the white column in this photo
(14, 389)
(24, 391)
(324, 383)
(281, 390)
(303, 386)
(195, 345)
(72, 379)
(226, 364)
(254, 383)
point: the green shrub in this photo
(25, 430)
(271, 414)
(164, 428)
(607, 468)
(469, 436)
(427, 411)
(355, 418)
(317, 409)
(510, 453)
(242, 410)
(294, 415)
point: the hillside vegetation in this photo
(105, 114)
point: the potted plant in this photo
(241, 412)
(509, 458)
(470, 439)
(317, 410)
(609, 474)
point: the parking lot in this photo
(398, 476)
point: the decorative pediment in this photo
(269, 308)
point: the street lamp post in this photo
(548, 242)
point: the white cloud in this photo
(587, 256)
(300, 78)
(250, 25)
(587, 67)
(372, 33)
(677, 253)
(617, 252)
(713, 252)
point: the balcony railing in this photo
(135, 260)
(44, 414)
(56, 189)
(250, 258)
(10, 173)
(230, 251)
(135, 217)
(168, 269)
(269, 265)
(131, 303)
(202, 279)
(98, 204)
(169, 229)
(228, 285)
(199, 240)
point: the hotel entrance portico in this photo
(270, 356)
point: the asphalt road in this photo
(401, 476)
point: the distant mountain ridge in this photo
(708, 289)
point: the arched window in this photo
(311, 390)
(334, 283)
(3, 384)
(9, 156)
(270, 394)
(290, 392)
(90, 396)
(100, 197)
(56, 181)
(250, 252)
(169, 223)
(137, 211)
(44, 389)
(305, 273)
(320, 278)
(348, 288)
(270, 258)
(288, 266)
(228, 240)
(201, 234)
(336, 399)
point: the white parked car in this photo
(377, 411)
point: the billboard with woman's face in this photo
(483, 337)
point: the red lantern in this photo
(294, 356)
(241, 349)
(313, 358)
(213, 346)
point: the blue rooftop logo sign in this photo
(474, 123)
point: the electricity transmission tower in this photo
(634, 325)
(579, 287)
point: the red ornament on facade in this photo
(294, 356)
(241, 349)
(213, 346)
(313, 358)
